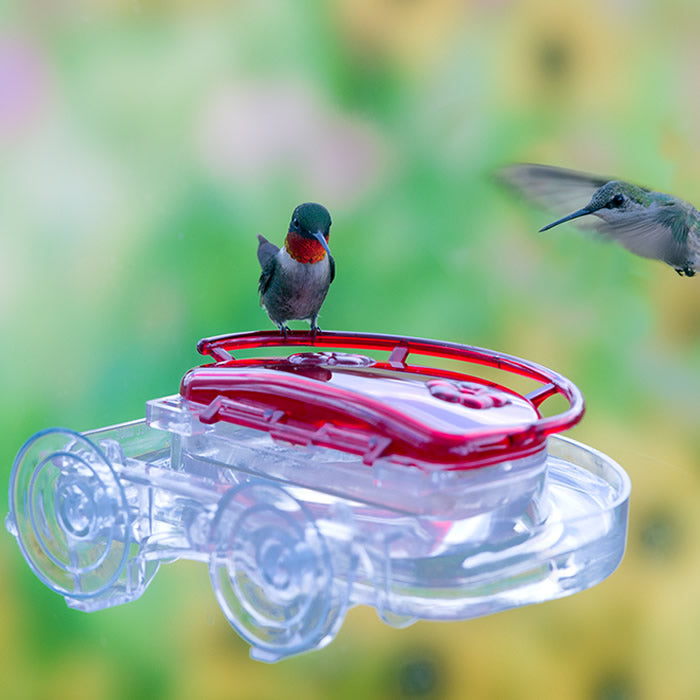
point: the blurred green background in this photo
(144, 144)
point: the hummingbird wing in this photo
(268, 272)
(266, 251)
(558, 190)
(332, 264)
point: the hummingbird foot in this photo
(686, 271)
(283, 330)
(313, 322)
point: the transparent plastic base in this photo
(294, 536)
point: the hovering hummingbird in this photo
(295, 278)
(647, 223)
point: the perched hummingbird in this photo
(295, 278)
(647, 223)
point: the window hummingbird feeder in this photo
(327, 478)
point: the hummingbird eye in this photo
(617, 201)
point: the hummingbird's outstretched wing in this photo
(558, 190)
(266, 250)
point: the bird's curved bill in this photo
(575, 215)
(322, 240)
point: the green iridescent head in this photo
(310, 219)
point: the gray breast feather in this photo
(294, 290)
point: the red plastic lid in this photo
(351, 402)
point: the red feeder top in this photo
(429, 416)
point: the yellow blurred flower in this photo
(574, 54)
(408, 33)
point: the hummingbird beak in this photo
(322, 240)
(575, 215)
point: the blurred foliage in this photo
(146, 143)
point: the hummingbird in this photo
(648, 223)
(295, 278)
